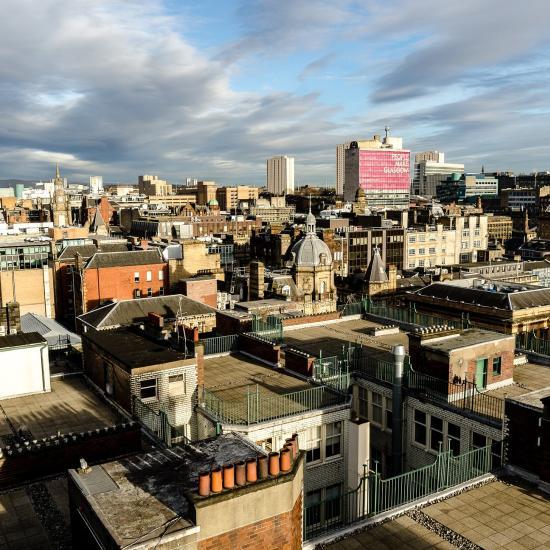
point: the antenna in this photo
(387, 130)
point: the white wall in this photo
(24, 370)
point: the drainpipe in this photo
(397, 408)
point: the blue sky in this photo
(212, 89)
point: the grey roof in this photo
(307, 252)
(464, 339)
(85, 250)
(50, 329)
(97, 222)
(376, 272)
(126, 258)
(512, 301)
(131, 312)
(22, 339)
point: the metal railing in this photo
(375, 495)
(530, 342)
(157, 422)
(271, 328)
(353, 308)
(220, 344)
(256, 406)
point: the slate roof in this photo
(85, 250)
(511, 301)
(376, 272)
(131, 312)
(126, 258)
(50, 329)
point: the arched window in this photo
(323, 287)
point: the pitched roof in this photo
(376, 272)
(126, 258)
(85, 250)
(50, 329)
(97, 222)
(130, 312)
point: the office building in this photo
(280, 175)
(381, 169)
(341, 166)
(96, 185)
(153, 186)
(430, 169)
(460, 187)
(206, 191)
(229, 197)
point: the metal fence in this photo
(271, 328)
(258, 406)
(220, 344)
(157, 422)
(375, 495)
(530, 342)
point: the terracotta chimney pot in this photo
(228, 476)
(240, 473)
(273, 464)
(216, 480)
(251, 470)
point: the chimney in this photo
(257, 273)
(397, 409)
(199, 356)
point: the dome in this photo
(213, 202)
(311, 251)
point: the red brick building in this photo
(115, 276)
(202, 289)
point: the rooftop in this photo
(134, 350)
(21, 339)
(71, 406)
(50, 329)
(125, 258)
(499, 514)
(464, 339)
(131, 312)
(138, 495)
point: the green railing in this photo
(354, 308)
(271, 328)
(220, 344)
(257, 406)
(333, 372)
(375, 495)
(530, 342)
(157, 422)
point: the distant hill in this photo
(12, 182)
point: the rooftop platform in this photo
(464, 339)
(143, 496)
(71, 406)
(496, 515)
(241, 390)
(330, 339)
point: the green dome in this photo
(213, 202)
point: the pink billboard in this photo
(384, 170)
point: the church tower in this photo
(61, 210)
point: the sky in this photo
(210, 90)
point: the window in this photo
(422, 251)
(161, 291)
(389, 411)
(376, 408)
(412, 239)
(478, 440)
(266, 444)
(436, 433)
(333, 439)
(149, 276)
(420, 427)
(422, 238)
(161, 275)
(137, 293)
(136, 276)
(420, 263)
(477, 244)
(148, 388)
(313, 444)
(332, 501)
(453, 434)
(176, 385)
(412, 251)
(432, 250)
(313, 507)
(363, 405)
(497, 366)
(149, 292)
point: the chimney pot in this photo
(228, 476)
(285, 461)
(204, 484)
(240, 473)
(216, 480)
(251, 470)
(263, 467)
(273, 464)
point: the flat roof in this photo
(71, 406)
(138, 495)
(464, 339)
(21, 339)
(134, 350)
(330, 339)
(531, 399)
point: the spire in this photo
(57, 174)
(376, 272)
(310, 221)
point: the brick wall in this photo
(201, 290)
(311, 318)
(117, 283)
(258, 347)
(298, 361)
(283, 531)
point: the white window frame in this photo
(149, 276)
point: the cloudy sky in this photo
(190, 88)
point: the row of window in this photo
(149, 292)
(148, 389)
(148, 276)
(320, 448)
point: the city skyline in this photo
(183, 89)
